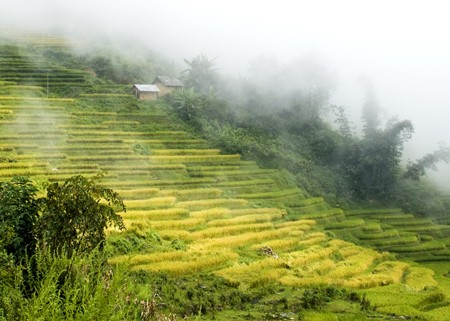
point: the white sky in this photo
(403, 46)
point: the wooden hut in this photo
(167, 84)
(146, 92)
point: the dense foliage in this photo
(284, 126)
(39, 237)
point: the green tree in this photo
(18, 215)
(415, 170)
(76, 213)
(376, 160)
(371, 109)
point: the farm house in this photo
(167, 84)
(146, 92)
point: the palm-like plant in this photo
(188, 103)
(201, 74)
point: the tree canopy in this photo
(76, 213)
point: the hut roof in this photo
(168, 81)
(147, 88)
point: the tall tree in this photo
(371, 109)
(378, 168)
(76, 213)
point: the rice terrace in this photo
(209, 234)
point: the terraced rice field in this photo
(220, 213)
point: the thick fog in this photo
(401, 46)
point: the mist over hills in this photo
(399, 46)
(240, 188)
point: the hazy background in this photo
(402, 46)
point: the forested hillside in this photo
(222, 201)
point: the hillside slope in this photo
(192, 210)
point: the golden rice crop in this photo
(271, 195)
(40, 157)
(30, 137)
(352, 223)
(354, 265)
(81, 141)
(212, 213)
(255, 218)
(213, 232)
(312, 239)
(213, 168)
(324, 214)
(394, 269)
(219, 202)
(103, 158)
(181, 182)
(195, 159)
(402, 240)
(250, 272)
(137, 192)
(235, 172)
(167, 141)
(269, 276)
(148, 258)
(423, 247)
(340, 244)
(34, 107)
(82, 126)
(346, 269)
(161, 225)
(10, 172)
(291, 231)
(252, 182)
(419, 278)
(104, 95)
(120, 122)
(170, 152)
(309, 255)
(108, 133)
(320, 268)
(281, 244)
(65, 100)
(238, 240)
(365, 281)
(254, 211)
(161, 214)
(175, 235)
(24, 165)
(195, 262)
(372, 227)
(292, 280)
(94, 113)
(299, 225)
(379, 235)
(139, 167)
(155, 202)
(191, 194)
(309, 201)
